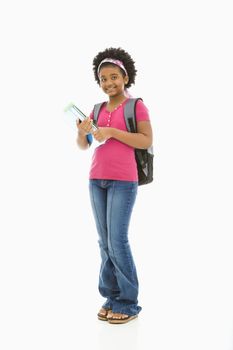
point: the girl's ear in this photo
(126, 80)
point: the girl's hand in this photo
(102, 134)
(84, 127)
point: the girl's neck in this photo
(116, 100)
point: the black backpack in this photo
(144, 157)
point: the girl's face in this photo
(112, 81)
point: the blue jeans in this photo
(112, 203)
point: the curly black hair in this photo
(119, 54)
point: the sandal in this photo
(103, 313)
(118, 318)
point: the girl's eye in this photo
(114, 77)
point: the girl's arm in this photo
(143, 138)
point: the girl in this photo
(114, 182)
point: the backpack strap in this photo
(96, 111)
(131, 124)
(130, 114)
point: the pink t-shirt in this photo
(114, 160)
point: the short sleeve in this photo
(142, 113)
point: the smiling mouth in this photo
(110, 90)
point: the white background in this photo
(181, 229)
